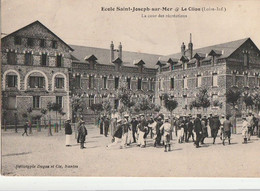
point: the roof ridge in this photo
(194, 50)
(123, 51)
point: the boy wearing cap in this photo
(82, 134)
(227, 130)
(244, 129)
(166, 129)
(143, 128)
(25, 127)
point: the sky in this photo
(81, 22)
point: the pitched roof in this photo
(226, 48)
(103, 56)
(38, 22)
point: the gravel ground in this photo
(42, 155)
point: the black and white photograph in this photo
(130, 88)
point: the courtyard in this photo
(43, 155)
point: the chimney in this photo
(190, 46)
(111, 52)
(183, 49)
(120, 51)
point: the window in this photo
(91, 82)
(42, 43)
(17, 40)
(246, 60)
(185, 82)
(129, 83)
(59, 61)
(54, 44)
(11, 102)
(59, 82)
(91, 100)
(116, 103)
(246, 80)
(172, 83)
(116, 83)
(44, 60)
(77, 81)
(105, 82)
(150, 85)
(28, 58)
(199, 80)
(59, 100)
(11, 58)
(172, 67)
(11, 80)
(36, 82)
(36, 101)
(30, 42)
(258, 82)
(159, 84)
(139, 85)
(215, 80)
(140, 67)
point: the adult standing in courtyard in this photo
(78, 126)
(143, 128)
(82, 134)
(68, 133)
(106, 125)
(227, 130)
(215, 127)
(134, 124)
(204, 130)
(158, 133)
(221, 126)
(198, 129)
(190, 129)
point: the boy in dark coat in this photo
(25, 127)
(82, 134)
(198, 130)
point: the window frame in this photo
(42, 59)
(139, 81)
(54, 44)
(37, 104)
(42, 43)
(57, 82)
(15, 82)
(57, 100)
(30, 42)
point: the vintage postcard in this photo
(130, 88)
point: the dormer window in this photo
(91, 60)
(118, 62)
(139, 84)
(116, 83)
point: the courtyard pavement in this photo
(43, 155)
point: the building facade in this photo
(217, 68)
(35, 68)
(38, 67)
